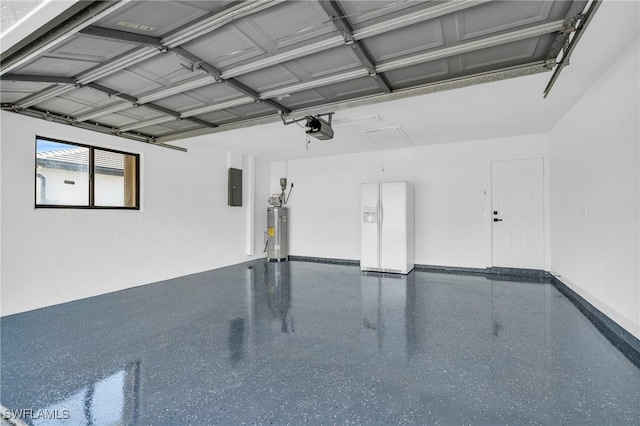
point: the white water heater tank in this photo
(277, 233)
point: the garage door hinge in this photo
(571, 25)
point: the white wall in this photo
(595, 202)
(52, 256)
(452, 189)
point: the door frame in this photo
(545, 208)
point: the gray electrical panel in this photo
(235, 187)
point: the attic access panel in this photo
(160, 71)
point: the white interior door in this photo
(517, 217)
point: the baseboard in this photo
(538, 273)
(324, 260)
(516, 272)
(624, 341)
(511, 272)
(451, 269)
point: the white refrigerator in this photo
(387, 227)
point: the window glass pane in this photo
(62, 174)
(115, 179)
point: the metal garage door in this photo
(160, 71)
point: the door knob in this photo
(495, 219)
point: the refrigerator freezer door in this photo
(393, 229)
(370, 226)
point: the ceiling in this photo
(13, 11)
(163, 71)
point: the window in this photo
(81, 176)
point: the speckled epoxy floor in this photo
(322, 344)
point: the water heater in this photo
(277, 233)
(277, 246)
